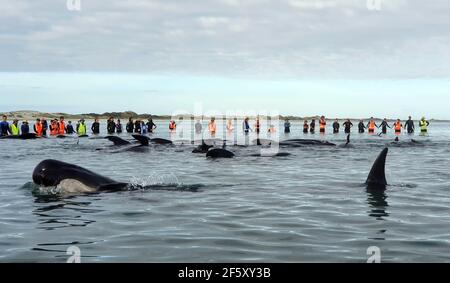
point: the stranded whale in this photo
(219, 153)
(303, 142)
(72, 178)
(28, 136)
(117, 141)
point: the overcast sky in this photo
(340, 58)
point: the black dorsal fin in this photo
(377, 175)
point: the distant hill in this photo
(32, 115)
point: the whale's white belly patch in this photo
(74, 186)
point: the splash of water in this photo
(154, 180)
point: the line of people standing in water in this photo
(371, 126)
(112, 126)
(59, 127)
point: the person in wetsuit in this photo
(198, 127)
(150, 125)
(336, 127)
(312, 126)
(95, 128)
(119, 127)
(409, 125)
(246, 126)
(384, 125)
(25, 128)
(287, 126)
(111, 126)
(257, 125)
(69, 128)
(347, 126)
(44, 127)
(4, 126)
(130, 126)
(137, 127)
(361, 127)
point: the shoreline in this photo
(31, 115)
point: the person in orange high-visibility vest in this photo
(322, 124)
(371, 125)
(38, 129)
(398, 127)
(272, 129)
(172, 126)
(62, 126)
(230, 126)
(305, 127)
(212, 127)
(54, 127)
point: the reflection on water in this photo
(376, 198)
(55, 212)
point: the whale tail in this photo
(142, 139)
(377, 177)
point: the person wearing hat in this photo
(25, 128)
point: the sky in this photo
(340, 58)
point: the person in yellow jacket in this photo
(423, 124)
(14, 128)
(81, 128)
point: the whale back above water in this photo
(72, 178)
(117, 141)
(302, 142)
(203, 148)
(161, 141)
(219, 153)
(28, 136)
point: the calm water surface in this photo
(307, 207)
